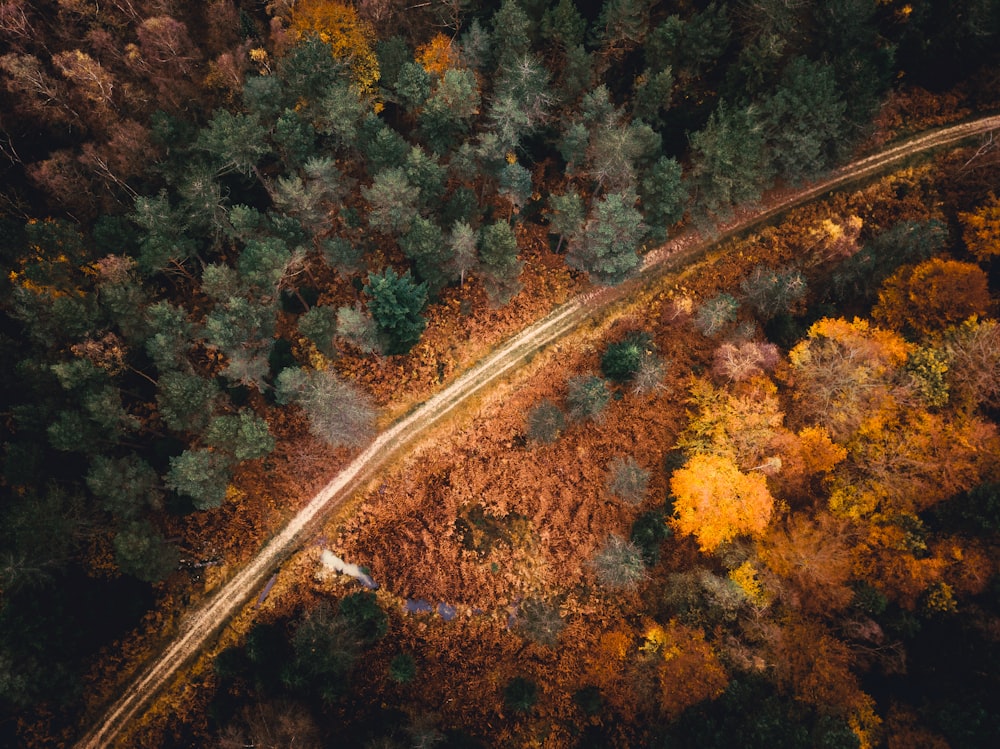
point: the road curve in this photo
(204, 622)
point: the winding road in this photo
(203, 623)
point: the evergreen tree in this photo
(319, 325)
(395, 303)
(202, 475)
(125, 486)
(498, 261)
(607, 249)
(425, 245)
(244, 435)
(185, 401)
(662, 196)
(143, 553)
(393, 200)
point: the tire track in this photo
(210, 617)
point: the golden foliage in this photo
(715, 501)
(438, 55)
(819, 452)
(688, 669)
(746, 579)
(932, 295)
(981, 229)
(351, 38)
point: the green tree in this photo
(165, 241)
(365, 617)
(424, 244)
(566, 216)
(125, 486)
(586, 396)
(243, 330)
(202, 475)
(185, 401)
(236, 142)
(244, 436)
(804, 120)
(358, 327)
(395, 303)
(607, 249)
(520, 694)
(463, 246)
(662, 194)
(319, 325)
(393, 201)
(403, 668)
(143, 553)
(338, 413)
(563, 25)
(622, 360)
(730, 166)
(511, 32)
(498, 263)
(449, 112)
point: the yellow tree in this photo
(351, 38)
(981, 229)
(716, 502)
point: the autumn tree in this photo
(627, 480)
(716, 502)
(770, 291)
(350, 38)
(586, 396)
(545, 422)
(932, 295)
(619, 563)
(981, 229)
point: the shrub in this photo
(540, 621)
(366, 617)
(545, 422)
(520, 694)
(622, 360)
(648, 531)
(403, 668)
(715, 314)
(619, 563)
(587, 396)
(628, 480)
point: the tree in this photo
(540, 621)
(395, 303)
(463, 245)
(610, 240)
(622, 360)
(619, 563)
(324, 648)
(403, 668)
(563, 25)
(586, 396)
(365, 616)
(498, 261)
(143, 553)
(350, 38)
(715, 314)
(738, 362)
(171, 335)
(185, 401)
(662, 196)
(545, 422)
(730, 165)
(243, 330)
(425, 245)
(393, 201)
(358, 327)
(511, 29)
(973, 355)
(244, 436)
(628, 480)
(804, 120)
(126, 486)
(319, 325)
(448, 114)
(202, 475)
(236, 142)
(716, 502)
(566, 216)
(770, 292)
(981, 229)
(521, 101)
(932, 295)
(339, 414)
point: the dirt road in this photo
(203, 623)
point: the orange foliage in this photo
(814, 556)
(437, 56)
(715, 501)
(816, 667)
(981, 229)
(688, 670)
(819, 452)
(932, 295)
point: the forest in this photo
(760, 498)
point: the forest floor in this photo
(165, 671)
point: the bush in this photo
(403, 668)
(619, 564)
(648, 531)
(540, 621)
(628, 480)
(715, 314)
(545, 422)
(589, 700)
(520, 694)
(587, 396)
(365, 616)
(622, 360)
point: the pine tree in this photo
(395, 303)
